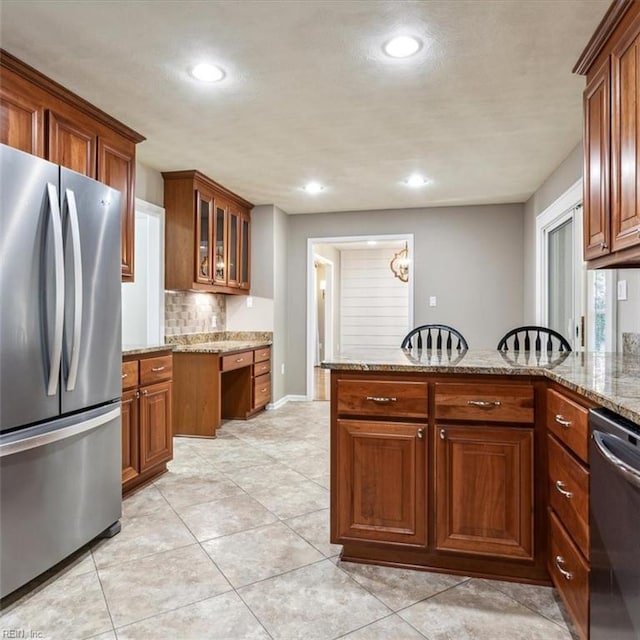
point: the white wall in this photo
(374, 303)
(143, 300)
(628, 311)
(249, 313)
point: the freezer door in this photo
(91, 367)
(60, 487)
(30, 297)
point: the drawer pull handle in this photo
(562, 420)
(484, 404)
(124, 375)
(156, 369)
(420, 433)
(239, 359)
(443, 434)
(381, 399)
(560, 486)
(263, 390)
(567, 574)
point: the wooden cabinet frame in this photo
(182, 235)
(611, 63)
(517, 549)
(43, 118)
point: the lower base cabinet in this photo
(147, 438)
(381, 482)
(484, 490)
(437, 472)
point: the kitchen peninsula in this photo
(472, 462)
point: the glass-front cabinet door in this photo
(245, 243)
(220, 223)
(203, 237)
(234, 236)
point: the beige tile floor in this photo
(233, 543)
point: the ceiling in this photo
(486, 110)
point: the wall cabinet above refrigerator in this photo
(208, 235)
(42, 118)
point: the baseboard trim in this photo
(289, 398)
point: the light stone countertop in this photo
(221, 346)
(608, 379)
(133, 350)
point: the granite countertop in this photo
(133, 350)
(608, 379)
(221, 346)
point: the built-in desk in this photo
(219, 380)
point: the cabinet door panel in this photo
(156, 444)
(484, 491)
(21, 123)
(130, 424)
(204, 235)
(245, 251)
(596, 164)
(381, 482)
(221, 231)
(233, 270)
(71, 144)
(625, 151)
(116, 168)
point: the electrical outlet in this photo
(622, 289)
(214, 322)
(282, 369)
(433, 301)
(249, 302)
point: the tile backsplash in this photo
(191, 312)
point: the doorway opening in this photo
(354, 300)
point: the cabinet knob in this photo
(603, 246)
(137, 394)
(382, 399)
(484, 404)
(420, 433)
(144, 392)
(561, 420)
(443, 434)
(559, 564)
(560, 487)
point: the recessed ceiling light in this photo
(402, 46)
(313, 187)
(415, 181)
(207, 73)
(372, 242)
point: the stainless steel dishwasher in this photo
(615, 527)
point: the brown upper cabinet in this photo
(611, 63)
(207, 238)
(39, 116)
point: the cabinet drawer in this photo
(260, 368)
(236, 360)
(129, 374)
(484, 402)
(569, 493)
(262, 354)
(570, 575)
(154, 370)
(567, 420)
(400, 398)
(261, 390)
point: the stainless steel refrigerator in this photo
(60, 364)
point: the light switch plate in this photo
(432, 301)
(622, 289)
(249, 301)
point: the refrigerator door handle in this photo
(77, 293)
(41, 439)
(55, 354)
